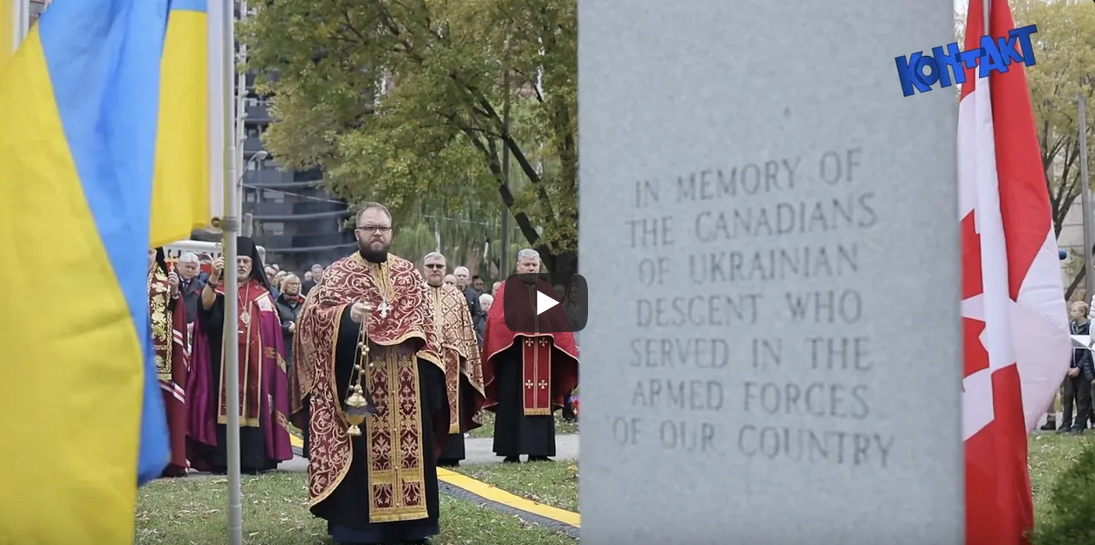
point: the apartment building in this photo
(292, 216)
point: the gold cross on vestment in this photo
(529, 384)
(543, 385)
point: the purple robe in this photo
(264, 385)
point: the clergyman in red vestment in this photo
(380, 486)
(264, 384)
(460, 350)
(170, 347)
(527, 374)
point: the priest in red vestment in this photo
(264, 384)
(527, 374)
(460, 351)
(170, 347)
(370, 317)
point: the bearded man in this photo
(264, 399)
(170, 346)
(367, 329)
(460, 350)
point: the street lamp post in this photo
(248, 226)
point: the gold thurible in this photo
(358, 405)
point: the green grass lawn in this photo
(191, 511)
(487, 430)
(551, 483)
(1050, 455)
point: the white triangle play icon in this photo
(544, 302)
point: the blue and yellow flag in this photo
(84, 420)
(180, 196)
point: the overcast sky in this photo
(961, 5)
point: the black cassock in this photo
(514, 432)
(453, 451)
(347, 508)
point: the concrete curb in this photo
(504, 509)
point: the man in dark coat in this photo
(1077, 384)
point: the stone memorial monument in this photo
(769, 231)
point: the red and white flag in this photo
(1014, 321)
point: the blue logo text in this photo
(918, 72)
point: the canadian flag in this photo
(1014, 321)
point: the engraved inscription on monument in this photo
(755, 270)
(771, 243)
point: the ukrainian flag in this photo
(84, 419)
(180, 196)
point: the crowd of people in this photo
(383, 368)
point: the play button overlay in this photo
(543, 303)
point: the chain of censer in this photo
(354, 390)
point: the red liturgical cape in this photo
(401, 330)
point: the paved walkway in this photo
(478, 451)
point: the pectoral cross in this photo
(384, 308)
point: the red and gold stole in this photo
(255, 304)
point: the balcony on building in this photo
(252, 145)
(296, 246)
(283, 211)
(257, 110)
(272, 178)
(289, 244)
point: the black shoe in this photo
(448, 463)
(1076, 431)
(1050, 425)
(1065, 429)
(512, 460)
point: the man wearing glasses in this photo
(460, 350)
(380, 486)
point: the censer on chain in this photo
(358, 406)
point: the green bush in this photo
(1071, 517)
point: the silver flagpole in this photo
(241, 130)
(231, 295)
(988, 9)
(22, 23)
(218, 126)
